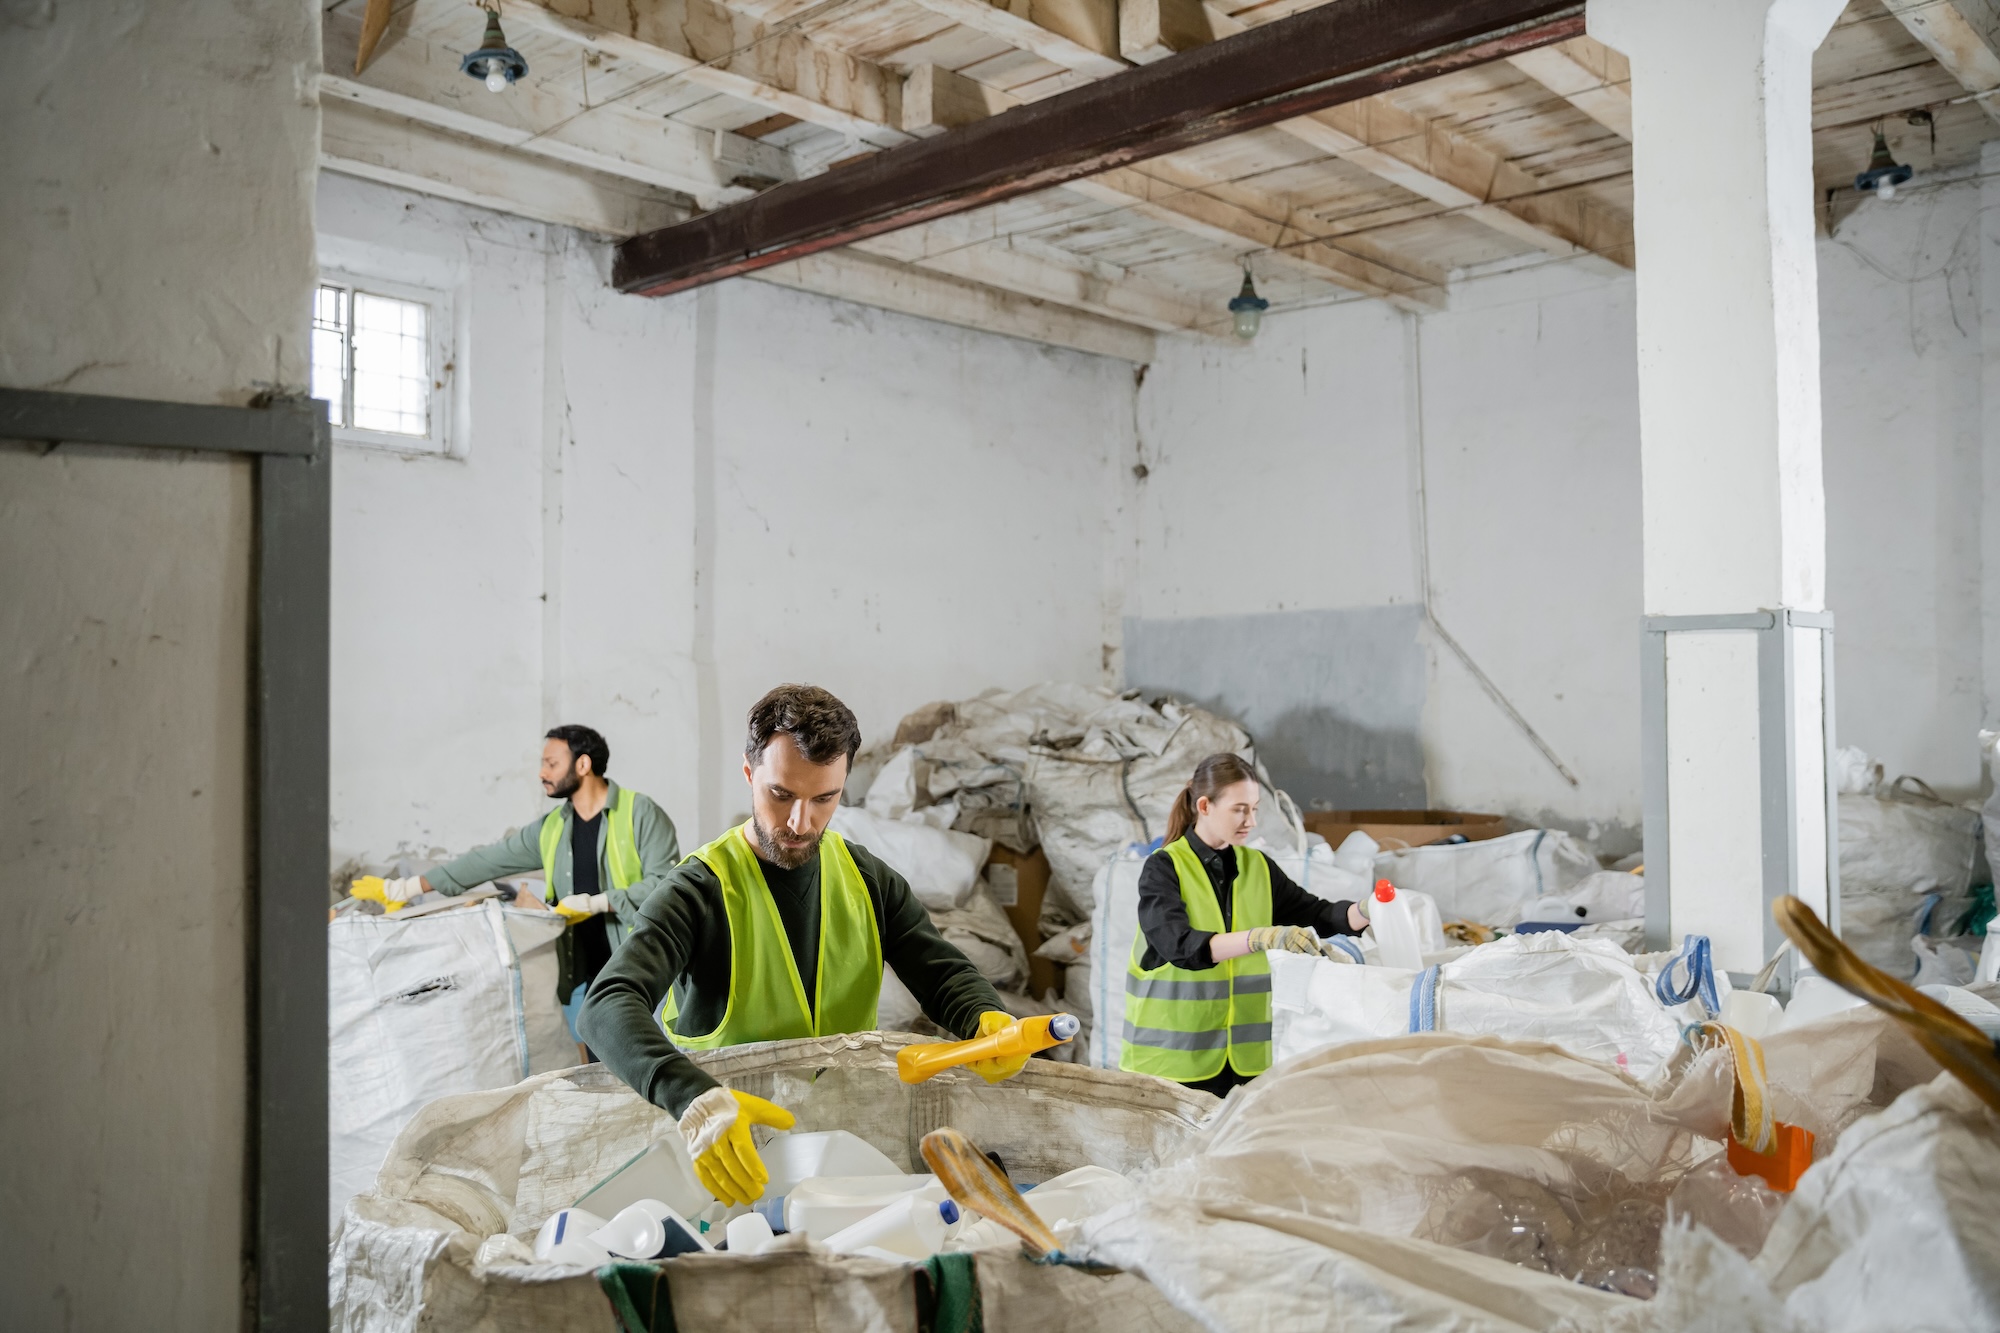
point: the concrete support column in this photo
(1734, 510)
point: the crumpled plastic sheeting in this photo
(1900, 1227)
(1305, 1202)
(1097, 770)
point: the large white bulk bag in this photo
(408, 1253)
(1491, 881)
(1584, 996)
(1896, 851)
(422, 1007)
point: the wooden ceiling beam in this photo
(709, 44)
(1425, 157)
(1964, 35)
(936, 99)
(1340, 52)
(357, 140)
(1080, 35)
(1587, 74)
(415, 80)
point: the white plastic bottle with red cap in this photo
(1396, 939)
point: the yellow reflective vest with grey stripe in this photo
(1184, 1025)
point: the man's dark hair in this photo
(821, 726)
(583, 740)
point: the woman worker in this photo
(1198, 990)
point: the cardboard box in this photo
(1395, 829)
(1031, 877)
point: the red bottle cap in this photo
(1385, 892)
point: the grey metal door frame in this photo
(291, 442)
(1777, 685)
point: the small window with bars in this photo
(379, 361)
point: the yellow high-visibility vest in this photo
(767, 1000)
(1185, 1025)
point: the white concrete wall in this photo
(668, 506)
(155, 197)
(1529, 431)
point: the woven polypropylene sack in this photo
(1895, 853)
(486, 1164)
(423, 1007)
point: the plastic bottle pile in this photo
(829, 1185)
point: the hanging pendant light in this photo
(1884, 172)
(497, 63)
(1248, 308)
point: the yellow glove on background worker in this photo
(582, 906)
(1001, 1067)
(1290, 939)
(393, 894)
(716, 1127)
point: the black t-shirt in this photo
(588, 938)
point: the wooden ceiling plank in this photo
(1587, 74)
(412, 79)
(1081, 35)
(887, 285)
(1317, 59)
(707, 43)
(1422, 156)
(1964, 35)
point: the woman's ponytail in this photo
(1181, 817)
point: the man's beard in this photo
(567, 785)
(785, 858)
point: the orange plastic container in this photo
(914, 1064)
(1791, 1153)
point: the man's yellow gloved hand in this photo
(716, 1127)
(1002, 1067)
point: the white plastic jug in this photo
(827, 1204)
(566, 1239)
(791, 1158)
(912, 1226)
(661, 1172)
(1813, 997)
(1396, 937)
(649, 1229)
(748, 1234)
(1075, 1195)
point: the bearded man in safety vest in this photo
(779, 928)
(601, 852)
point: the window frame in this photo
(440, 336)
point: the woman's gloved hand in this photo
(1289, 939)
(1001, 1067)
(716, 1128)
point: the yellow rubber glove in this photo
(1002, 1067)
(716, 1127)
(374, 889)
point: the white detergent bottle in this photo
(1395, 928)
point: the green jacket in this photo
(520, 852)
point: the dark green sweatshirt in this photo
(682, 941)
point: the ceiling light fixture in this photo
(1248, 308)
(1884, 172)
(496, 62)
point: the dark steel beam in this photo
(1339, 52)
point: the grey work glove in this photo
(1289, 939)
